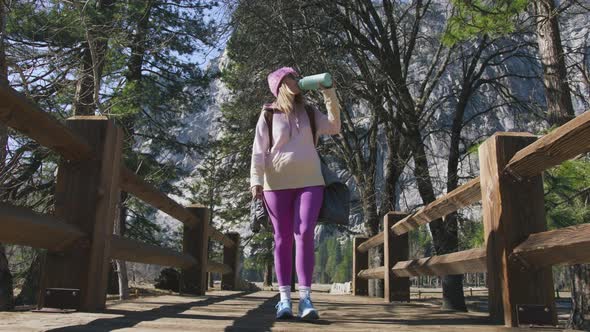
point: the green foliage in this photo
(420, 242)
(470, 234)
(475, 18)
(333, 261)
(567, 193)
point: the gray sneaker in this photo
(284, 310)
(306, 310)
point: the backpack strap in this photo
(268, 115)
(311, 115)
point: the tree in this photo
(6, 292)
(558, 96)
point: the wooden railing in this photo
(79, 236)
(519, 251)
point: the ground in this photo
(254, 311)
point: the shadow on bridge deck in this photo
(253, 311)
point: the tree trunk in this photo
(561, 110)
(268, 274)
(119, 229)
(580, 315)
(30, 291)
(557, 91)
(444, 234)
(92, 62)
(371, 217)
(6, 292)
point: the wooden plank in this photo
(22, 226)
(511, 211)
(360, 261)
(220, 237)
(461, 197)
(135, 251)
(17, 112)
(86, 196)
(371, 242)
(219, 268)
(195, 242)
(136, 186)
(231, 257)
(372, 273)
(568, 245)
(563, 143)
(396, 248)
(467, 261)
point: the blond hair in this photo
(287, 99)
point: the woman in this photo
(287, 175)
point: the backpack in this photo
(336, 205)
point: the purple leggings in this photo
(294, 211)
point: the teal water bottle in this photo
(313, 82)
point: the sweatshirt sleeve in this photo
(259, 149)
(329, 124)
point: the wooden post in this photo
(194, 243)
(86, 195)
(512, 209)
(360, 261)
(231, 257)
(395, 248)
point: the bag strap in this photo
(268, 115)
(311, 115)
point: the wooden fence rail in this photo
(468, 261)
(17, 112)
(22, 226)
(79, 235)
(511, 190)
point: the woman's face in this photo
(291, 84)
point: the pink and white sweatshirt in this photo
(293, 161)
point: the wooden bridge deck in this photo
(252, 311)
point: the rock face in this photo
(341, 288)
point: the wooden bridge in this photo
(518, 255)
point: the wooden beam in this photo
(468, 261)
(360, 261)
(568, 245)
(461, 197)
(195, 242)
(512, 210)
(231, 257)
(371, 242)
(86, 196)
(396, 248)
(136, 186)
(220, 237)
(563, 143)
(218, 268)
(135, 251)
(372, 273)
(17, 112)
(22, 226)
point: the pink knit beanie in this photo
(275, 78)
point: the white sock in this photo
(304, 292)
(285, 292)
